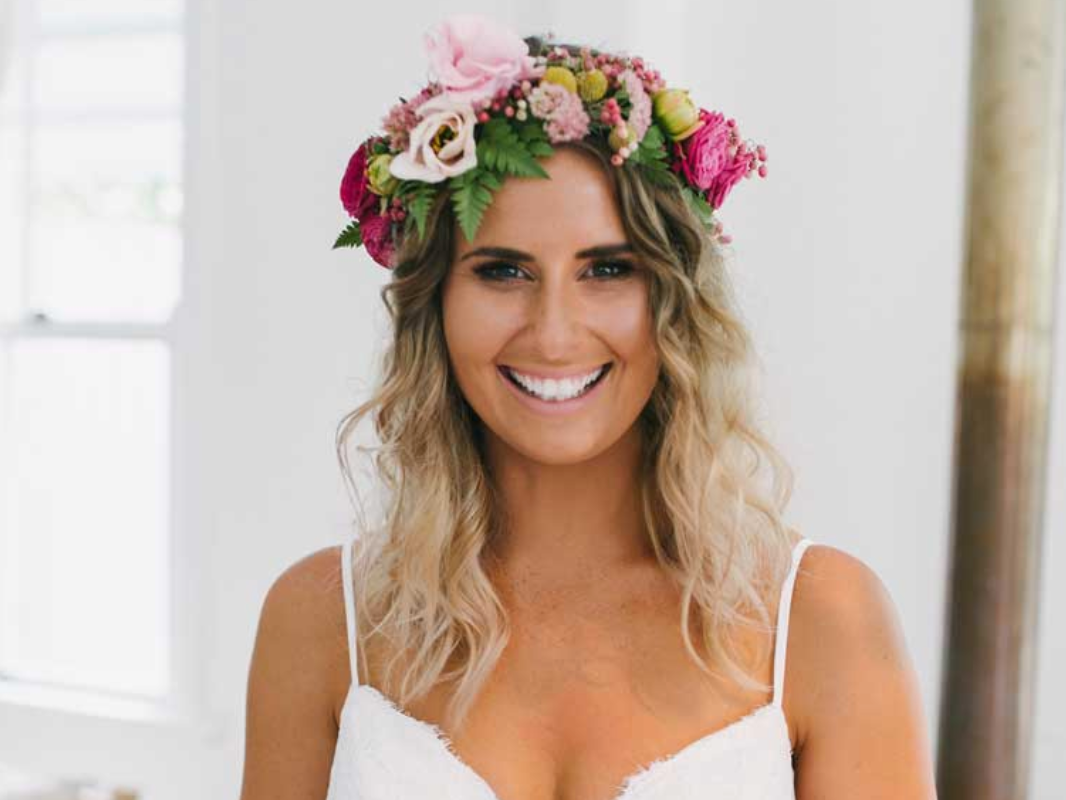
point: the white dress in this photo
(383, 753)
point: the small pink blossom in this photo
(403, 116)
(474, 57)
(545, 98)
(563, 111)
(640, 112)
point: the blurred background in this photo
(178, 340)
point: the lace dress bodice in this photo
(383, 753)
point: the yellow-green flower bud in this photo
(591, 85)
(676, 114)
(561, 76)
(617, 143)
(379, 179)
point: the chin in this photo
(555, 448)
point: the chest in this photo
(599, 708)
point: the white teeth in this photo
(551, 389)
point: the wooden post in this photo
(1014, 195)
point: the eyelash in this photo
(485, 271)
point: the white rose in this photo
(441, 145)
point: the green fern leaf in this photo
(350, 236)
(535, 137)
(470, 196)
(502, 149)
(418, 202)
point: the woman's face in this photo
(549, 289)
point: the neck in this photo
(566, 519)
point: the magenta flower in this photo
(713, 159)
(355, 188)
(705, 153)
(729, 177)
(377, 238)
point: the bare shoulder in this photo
(312, 583)
(306, 602)
(860, 723)
(298, 669)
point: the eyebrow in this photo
(599, 251)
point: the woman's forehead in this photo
(575, 208)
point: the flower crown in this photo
(499, 102)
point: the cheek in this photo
(628, 327)
(475, 327)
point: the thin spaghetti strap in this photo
(349, 609)
(784, 608)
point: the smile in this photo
(555, 391)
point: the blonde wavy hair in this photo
(418, 568)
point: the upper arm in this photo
(864, 732)
(297, 669)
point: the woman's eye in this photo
(615, 269)
(497, 271)
(503, 271)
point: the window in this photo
(91, 111)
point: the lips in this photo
(556, 407)
(575, 375)
(603, 369)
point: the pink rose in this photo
(441, 145)
(355, 190)
(706, 152)
(728, 178)
(377, 238)
(705, 159)
(474, 57)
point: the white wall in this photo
(848, 257)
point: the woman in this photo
(579, 587)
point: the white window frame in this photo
(184, 706)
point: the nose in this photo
(556, 319)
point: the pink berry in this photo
(508, 111)
(482, 116)
(762, 171)
(617, 160)
(725, 239)
(761, 151)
